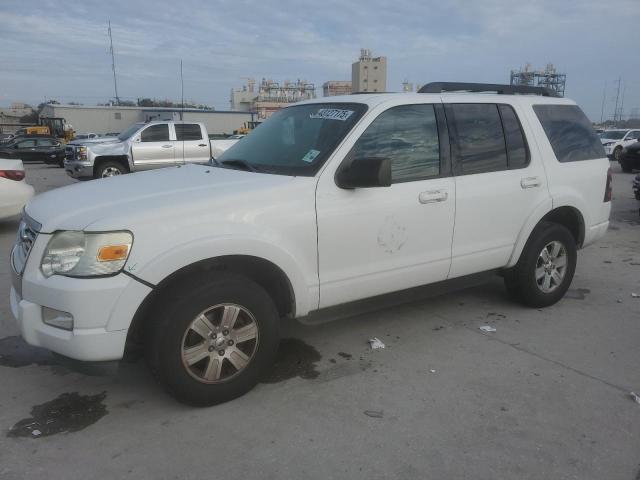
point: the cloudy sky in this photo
(59, 49)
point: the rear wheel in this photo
(110, 169)
(545, 268)
(617, 153)
(214, 339)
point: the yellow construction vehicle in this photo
(56, 127)
(246, 128)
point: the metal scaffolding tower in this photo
(548, 78)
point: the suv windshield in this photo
(130, 131)
(613, 134)
(296, 140)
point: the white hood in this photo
(124, 201)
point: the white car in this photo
(615, 140)
(15, 192)
(329, 201)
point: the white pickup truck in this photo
(327, 202)
(143, 146)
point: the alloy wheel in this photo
(551, 266)
(219, 343)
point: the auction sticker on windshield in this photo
(332, 114)
(311, 155)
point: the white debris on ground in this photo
(635, 396)
(432, 370)
(376, 343)
(487, 328)
(635, 295)
(36, 433)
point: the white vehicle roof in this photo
(374, 99)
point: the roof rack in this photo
(440, 87)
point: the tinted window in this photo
(45, 142)
(155, 133)
(479, 138)
(27, 144)
(569, 132)
(517, 152)
(408, 135)
(188, 131)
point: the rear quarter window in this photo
(569, 132)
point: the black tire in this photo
(625, 165)
(617, 152)
(61, 163)
(105, 168)
(520, 280)
(164, 342)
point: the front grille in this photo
(69, 152)
(27, 234)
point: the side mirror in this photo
(137, 139)
(364, 173)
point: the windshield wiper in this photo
(238, 162)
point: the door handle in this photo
(167, 146)
(530, 182)
(433, 196)
(202, 145)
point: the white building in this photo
(113, 119)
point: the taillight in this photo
(608, 189)
(16, 175)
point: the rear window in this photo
(570, 133)
(188, 131)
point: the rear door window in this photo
(188, 131)
(155, 133)
(27, 144)
(517, 151)
(478, 137)
(570, 133)
(45, 142)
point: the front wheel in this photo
(214, 339)
(617, 153)
(545, 268)
(110, 169)
(625, 165)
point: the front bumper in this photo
(88, 344)
(608, 150)
(102, 309)
(78, 168)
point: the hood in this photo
(608, 140)
(87, 141)
(119, 203)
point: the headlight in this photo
(80, 254)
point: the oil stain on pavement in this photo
(70, 412)
(15, 352)
(294, 359)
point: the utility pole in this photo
(615, 110)
(624, 89)
(604, 97)
(113, 65)
(181, 91)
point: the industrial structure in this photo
(406, 86)
(336, 87)
(10, 116)
(116, 119)
(270, 96)
(548, 78)
(369, 74)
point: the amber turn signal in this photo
(111, 253)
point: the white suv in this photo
(327, 202)
(614, 141)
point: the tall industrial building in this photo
(336, 87)
(548, 78)
(369, 74)
(270, 96)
